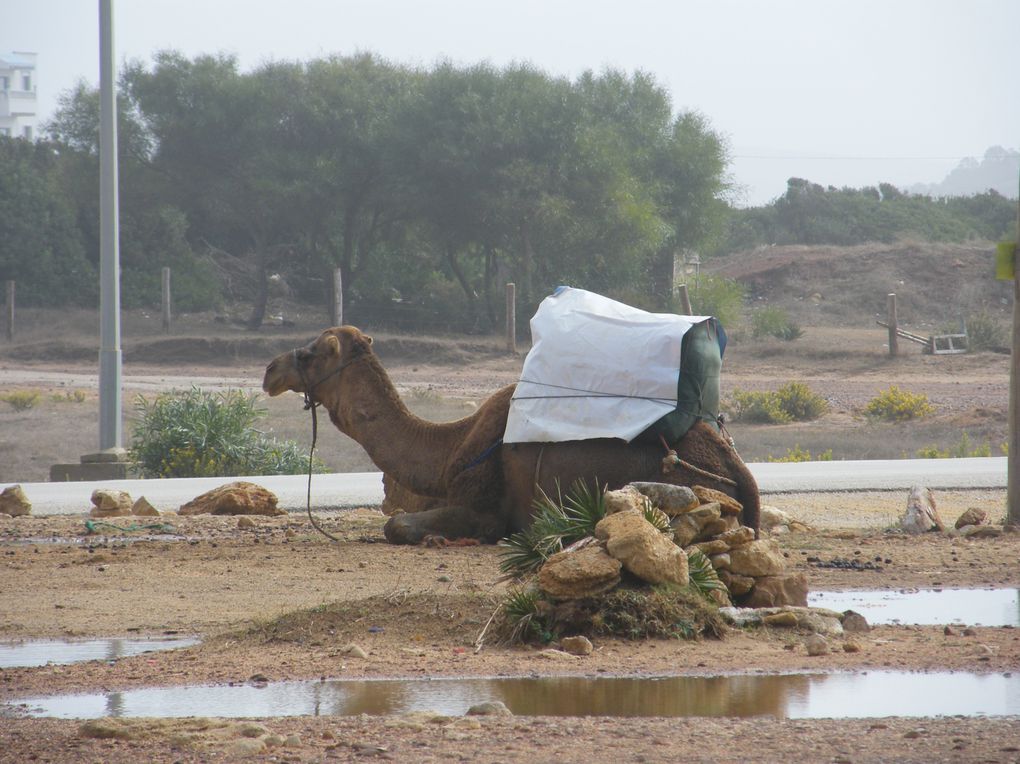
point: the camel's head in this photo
(305, 368)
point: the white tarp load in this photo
(597, 369)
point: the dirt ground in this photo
(417, 612)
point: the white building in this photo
(17, 95)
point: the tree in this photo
(353, 120)
(40, 245)
(153, 233)
(228, 145)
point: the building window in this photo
(27, 132)
(26, 81)
(5, 83)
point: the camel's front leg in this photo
(449, 522)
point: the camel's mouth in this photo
(275, 380)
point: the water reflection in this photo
(39, 652)
(985, 607)
(869, 694)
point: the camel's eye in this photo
(304, 355)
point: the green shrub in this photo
(71, 396)
(719, 297)
(21, 400)
(964, 448)
(895, 405)
(774, 322)
(798, 454)
(757, 407)
(793, 402)
(554, 525)
(201, 434)
(797, 400)
(985, 332)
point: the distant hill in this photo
(998, 170)
(824, 285)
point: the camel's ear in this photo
(332, 345)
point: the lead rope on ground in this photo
(310, 404)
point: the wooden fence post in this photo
(685, 300)
(165, 292)
(511, 318)
(337, 313)
(890, 309)
(10, 310)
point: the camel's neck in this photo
(364, 404)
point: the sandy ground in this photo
(417, 612)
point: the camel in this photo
(486, 487)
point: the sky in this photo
(841, 92)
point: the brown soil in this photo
(417, 613)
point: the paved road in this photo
(359, 489)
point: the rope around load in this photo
(585, 393)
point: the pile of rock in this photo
(753, 570)
(237, 498)
(109, 502)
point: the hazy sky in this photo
(843, 92)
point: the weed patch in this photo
(21, 400)
(895, 405)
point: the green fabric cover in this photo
(697, 385)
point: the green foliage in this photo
(757, 407)
(554, 525)
(521, 618)
(811, 214)
(793, 402)
(797, 400)
(719, 297)
(985, 332)
(774, 322)
(798, 454)
(21, 400)
(41, 245)
(201, 434)
(662, 612)
(964, 448)
(895, 405)
(702, 575)
(70, 396)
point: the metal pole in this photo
(110, 436)
(1013, 458)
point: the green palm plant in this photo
(555, 524)
(701, 574)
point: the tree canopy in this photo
(428, 189)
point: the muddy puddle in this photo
(39, 652)
(838, 695)
(974, 607)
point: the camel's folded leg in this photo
(449, 522)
